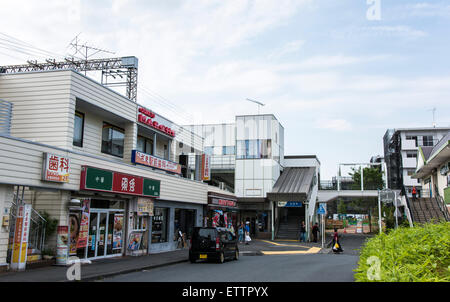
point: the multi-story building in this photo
(107, 168)
(247, 156)
(400, 154)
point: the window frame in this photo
(82, 115)
(114, 128)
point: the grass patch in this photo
(419, 254)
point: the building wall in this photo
(41, 108)
(6, 199)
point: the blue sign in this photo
(321, 210)
(290, 204)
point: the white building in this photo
(120, 158)
(400, 153)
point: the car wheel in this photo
(236, 254)
(221, 258)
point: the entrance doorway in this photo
(104, 240)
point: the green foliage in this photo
(342, 208)
(419, 254)
(373, 178)
(51, 225)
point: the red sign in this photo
(56, 168)
(128, 184)
(206, 170)
(223, 202)
(146, 117)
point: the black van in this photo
(213, 244)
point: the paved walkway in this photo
(122, 265)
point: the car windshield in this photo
(205, 233)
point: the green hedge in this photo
(419, 254)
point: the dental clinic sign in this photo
(55, 168)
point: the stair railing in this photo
(440, 201)
(408, 207)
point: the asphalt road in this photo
(274, 268)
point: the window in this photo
(411, 155)
(228, 150)
(78, 129)
(209, 150)
(428, 141)
(159, 225)
(112, 140)
(144, 145)
(254, 149)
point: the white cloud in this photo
(334, 124)
(288, 48)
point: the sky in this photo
(336, 74)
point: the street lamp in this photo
(256, 102)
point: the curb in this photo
(126, 271)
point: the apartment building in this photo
(400, 154)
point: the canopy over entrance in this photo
(294, 184)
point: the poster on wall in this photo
(62, 242)
(135, 241)
(74, 224)
(20, 245)
(118, 231)
(84, 225)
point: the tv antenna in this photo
(256, 102)
(434, 116)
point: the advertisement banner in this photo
(135, 241)
(55, 168)
(206, 169)
(74, 223)
(148, 160)
(84, 225)
(118, 231)
(20, 244)
(145, 207)
(62, 242)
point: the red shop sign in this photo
(129, 184)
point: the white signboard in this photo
(55, 168)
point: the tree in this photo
(342, 207)
(373, 178)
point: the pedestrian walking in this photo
(414, 193)
(247, 233)
(335, 243)
(315, 230)
(241, 232)
(303, 232)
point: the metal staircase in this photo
(289, 229)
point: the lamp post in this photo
(256, 102)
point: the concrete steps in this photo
(424, 210)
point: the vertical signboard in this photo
(84, 225)
(20, 245)
(62, 245)
(206, 167)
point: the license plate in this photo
(203, 256)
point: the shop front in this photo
(115, 218)
(222, 211)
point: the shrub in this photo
(419, 254)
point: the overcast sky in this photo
(335, 77)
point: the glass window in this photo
(209, 150)
(144, 145)
(411, 155)
(428, 141)
(266, 148)
(112, 140)
(78, 129)
(228, 150)
(254, 149)
(159, 225)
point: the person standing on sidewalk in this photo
(303, 232)
(336, 246)
(241, 232)
(315, 230)
(247, 233)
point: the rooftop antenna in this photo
(434, 116)
(256, 102)
(84, 49)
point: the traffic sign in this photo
(321, 210)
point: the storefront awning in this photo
(293, 185)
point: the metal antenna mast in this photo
(124, 67)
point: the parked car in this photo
(208, 243)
